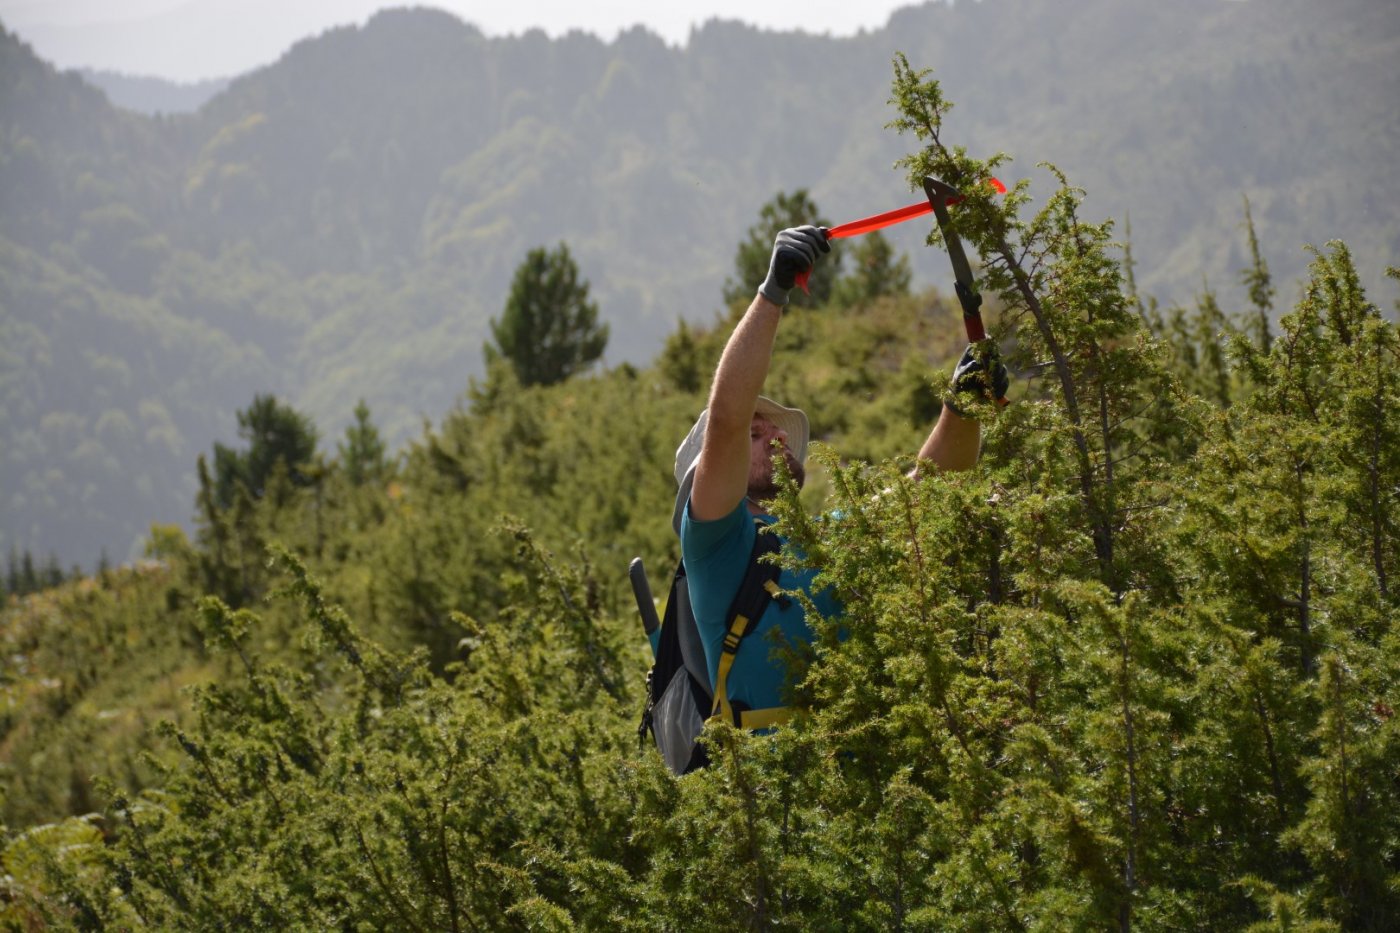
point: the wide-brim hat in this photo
(791, 421)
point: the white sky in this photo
(190, 40)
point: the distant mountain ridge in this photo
(153, 96)
(343, 223)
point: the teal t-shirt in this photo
(716, 555)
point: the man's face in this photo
(766, 439)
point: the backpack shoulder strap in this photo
(681, 617)
(756, 591)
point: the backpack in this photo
(679, 699)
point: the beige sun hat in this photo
(791, 421)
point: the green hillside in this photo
(343, 223)
(1137, 670)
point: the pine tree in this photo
(549, 328)
(680, 360)
(216, 571)
(1363, 426)
(1350, 824)
(29, 581)
(1210, 330)
(877, 272)
(362, 452)
(1146, 307)
(13, 580)
(1260, 284)
(275, 434)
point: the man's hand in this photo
(971, 382)
(794, 251)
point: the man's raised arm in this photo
(721, 477)
(956, 438)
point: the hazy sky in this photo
(189, 40)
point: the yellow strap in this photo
(750, 718)
(726, 661)
(763, 718)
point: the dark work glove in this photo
(971, 381)
(794, 251)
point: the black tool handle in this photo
(971, 303)
(939, 194)
(641, 589)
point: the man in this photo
(726, 475)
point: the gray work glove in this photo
(971, 381)
(794, 251)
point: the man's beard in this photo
(767, 488)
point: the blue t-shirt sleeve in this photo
(716, 556)
(702, 540)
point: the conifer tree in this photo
(1289, 543)
(1064, 301)
(1146, 307)
(1210, 330)
(28, 575)
(12, 571)
(1350, 823)
(1360, 406)
(362, 453)
(877, 272)
(548, 330)
(1260, 284)
(275, 433)
(214, 562)
(680, 360)
(1319, 443)
(53, 572)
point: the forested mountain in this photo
(343, 223)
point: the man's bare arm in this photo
(722, 475)
(956, 439)
(953, 444)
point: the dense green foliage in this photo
(1138, 670)
(549, 329)
(343, 224)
